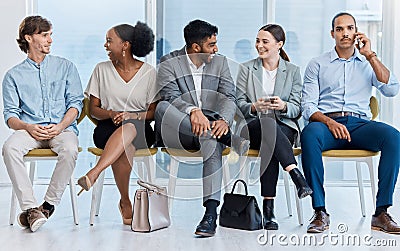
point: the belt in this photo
(342, 114)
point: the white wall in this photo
(11, 13)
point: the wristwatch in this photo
(370, 56)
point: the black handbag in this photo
(240, 211)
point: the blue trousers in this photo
(365, 134)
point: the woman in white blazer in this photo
(268, 95)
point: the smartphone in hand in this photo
(270, 99)
(360, 44)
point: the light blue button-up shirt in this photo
(333, 84)
(42, 93)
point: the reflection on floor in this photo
(59, 233)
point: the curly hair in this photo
(29, 26)
(140, 36)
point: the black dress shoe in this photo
(240, 145)
(303, 190)
(269, 217)
(207, 226)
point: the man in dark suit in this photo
(197, 108)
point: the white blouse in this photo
(269, 78)
(116, 94)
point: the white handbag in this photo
(150, 208)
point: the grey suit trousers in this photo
(175, 129)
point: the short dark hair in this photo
(342, 14)
(197, 31)
(140, 36)
(29, 26)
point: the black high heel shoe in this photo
(303, 190)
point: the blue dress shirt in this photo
(42, 93)
(333, 84)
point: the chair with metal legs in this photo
(252, 156)
(144, 159)
(359, 156)
(31, 158)
(193, 157)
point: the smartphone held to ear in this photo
(360, 44)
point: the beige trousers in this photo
(20, 143)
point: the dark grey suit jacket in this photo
(177, 86)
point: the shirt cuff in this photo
(250, 113)
(8, 116)
(309, 111)
(77, 107)
(189, 109)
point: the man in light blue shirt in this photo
(336, 92)
(42, 99)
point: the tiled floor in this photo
(108, 233)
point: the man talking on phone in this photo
(336, 92)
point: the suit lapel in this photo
(205, 84)
(280, 78)
(187, 74)
(257, 76)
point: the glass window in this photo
(237, 21)
(309, 36)
(79, 30)
(80, 36)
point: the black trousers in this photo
(274, 140)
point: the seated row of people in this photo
(193, 100)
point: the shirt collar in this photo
(30, 61)
(193, 66)
(357, 55)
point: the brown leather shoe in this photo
(319, 223)
(385, 223)
(46, 212)
(35, 218)
(22, 219)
